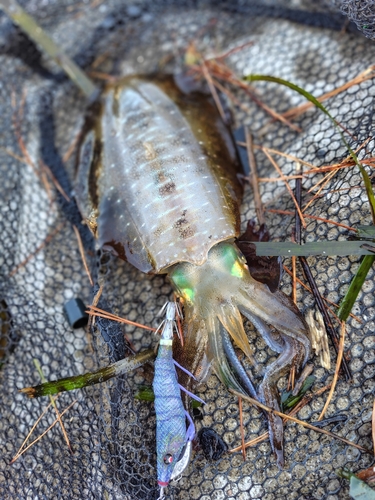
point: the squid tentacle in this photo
(292, 355)
(237, 365)
(272, 339)
(215, 294)
(218, 359)
(293, 346)
(274, 308)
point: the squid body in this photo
(158, 186)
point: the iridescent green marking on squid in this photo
(184, 286)
(231, 261)
(230, 264)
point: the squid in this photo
(158, 186)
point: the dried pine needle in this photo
(297, 421)
(337, 369)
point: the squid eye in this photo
(168, 459)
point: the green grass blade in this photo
(78, 382)
(293, 86)
(366, 231)
(355, 287)
(40, 37)
(359, 490)
(287, 249)
(288, 400)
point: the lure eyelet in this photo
(168, 459)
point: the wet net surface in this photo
(112, 434)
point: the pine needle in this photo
(337, 369)
(297, 421)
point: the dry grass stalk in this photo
(337, 369)
(96, 311)
(297, 421)
(83, 256)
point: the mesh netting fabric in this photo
(112, 434)
(360, 12)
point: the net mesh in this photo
(112, 434)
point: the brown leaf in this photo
(267, 270)
(367, 474)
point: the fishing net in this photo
(112, 434)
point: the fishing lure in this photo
(173, 440)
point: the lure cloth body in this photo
(170, 415)
(172, 436)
